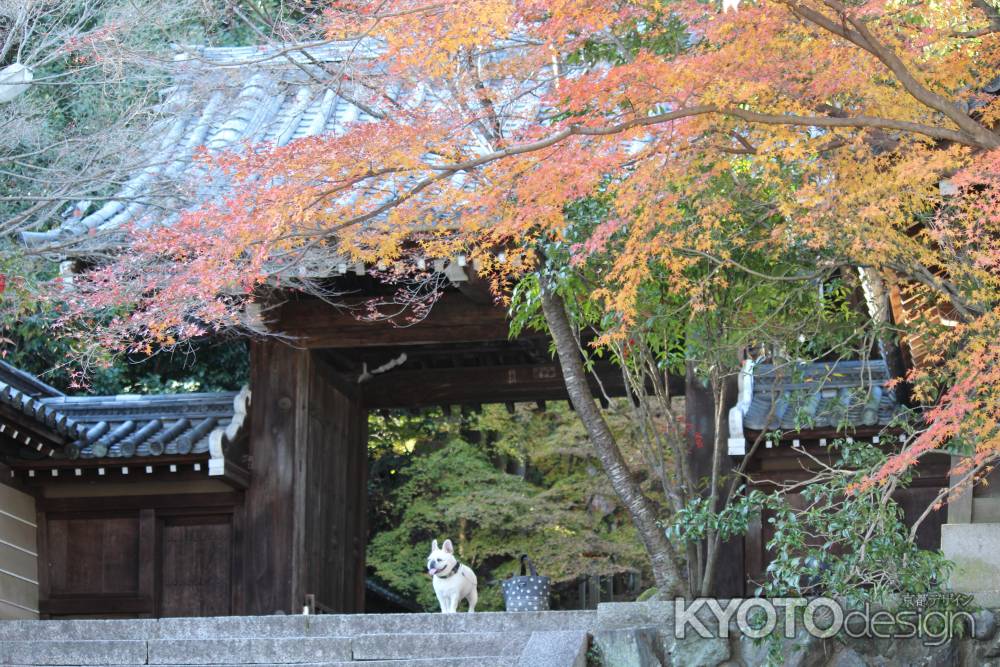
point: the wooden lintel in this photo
(485, 384)
(812, 436)
(454, 318)
(220, 502)
(113, 462)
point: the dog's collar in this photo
(453, 571)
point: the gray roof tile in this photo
(145, 425)
(112, 427)
(223, 97)
(835, 395)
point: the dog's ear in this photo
(434, 545)
(447, 547)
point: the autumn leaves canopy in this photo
(484, 119)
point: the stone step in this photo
(334, 625)
(248, 651)
(464, 645)
(258, 651)
(419, 662)
(73, 652)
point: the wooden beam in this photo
(454, 318)
(499, 384)
(138, 462)
(206, 503)
(233, 474)
(108, 604)
(828, 433)
(485, 384)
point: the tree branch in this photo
(862, 37)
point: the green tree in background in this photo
(530, 485)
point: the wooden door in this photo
(196, 566)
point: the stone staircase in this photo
(532, 639)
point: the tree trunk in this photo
(666, 570)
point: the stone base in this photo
(975, 550)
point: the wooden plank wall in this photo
(18, 555)
(139, 556)
(334, 495)
(782, 464)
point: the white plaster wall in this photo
(18, 555)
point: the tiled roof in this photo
(224, 98)
(152, 425)
(114, 427)
(221, 98)
(25, 382)
(820, 395)
(25, 419)
(801, 397)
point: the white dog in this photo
(453, 582)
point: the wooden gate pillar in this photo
(305, 518)
(699, 412)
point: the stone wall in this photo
(641, 634)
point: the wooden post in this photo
(269, 567)
(149, 555)
(331, 490)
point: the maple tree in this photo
(485, 119)
(93, 69)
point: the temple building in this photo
(254, 502)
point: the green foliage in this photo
(554, 503)
(664, 35)
(751, 298)
(832, 535)
(33, 343)
(748, 299)
(395, 439)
